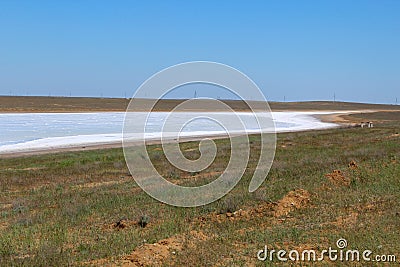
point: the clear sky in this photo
(301, 50)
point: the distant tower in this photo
(334, 97)
(195, 94)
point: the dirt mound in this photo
(337, 177)
(353, 165)
(241, 214)
(347, 221)
(121, 224)
(3, 225)
(394, 135)
(155, 254)
(194, 237)
(295, 199)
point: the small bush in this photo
(229, 205)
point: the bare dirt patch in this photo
(353, 165)
(155, 254)
(124, 223)
(395, 135)
(295, 199)
(4, 225)
(337, 177)
(6, 206)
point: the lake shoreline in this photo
(340, 118)
(306, 121)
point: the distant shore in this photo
(40, 104)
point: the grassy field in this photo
(92, 104)
(84, 208)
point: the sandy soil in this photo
(340, 118)
(353, 118)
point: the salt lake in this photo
(38, 131)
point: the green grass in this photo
(60, 209)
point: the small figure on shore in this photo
(368, 124)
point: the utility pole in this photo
(334, 97)
(396, 101)
(284, 98)
(195, 94)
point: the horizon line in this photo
(200, 98)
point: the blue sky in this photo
(301, 50)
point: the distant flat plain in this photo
(91, 104)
